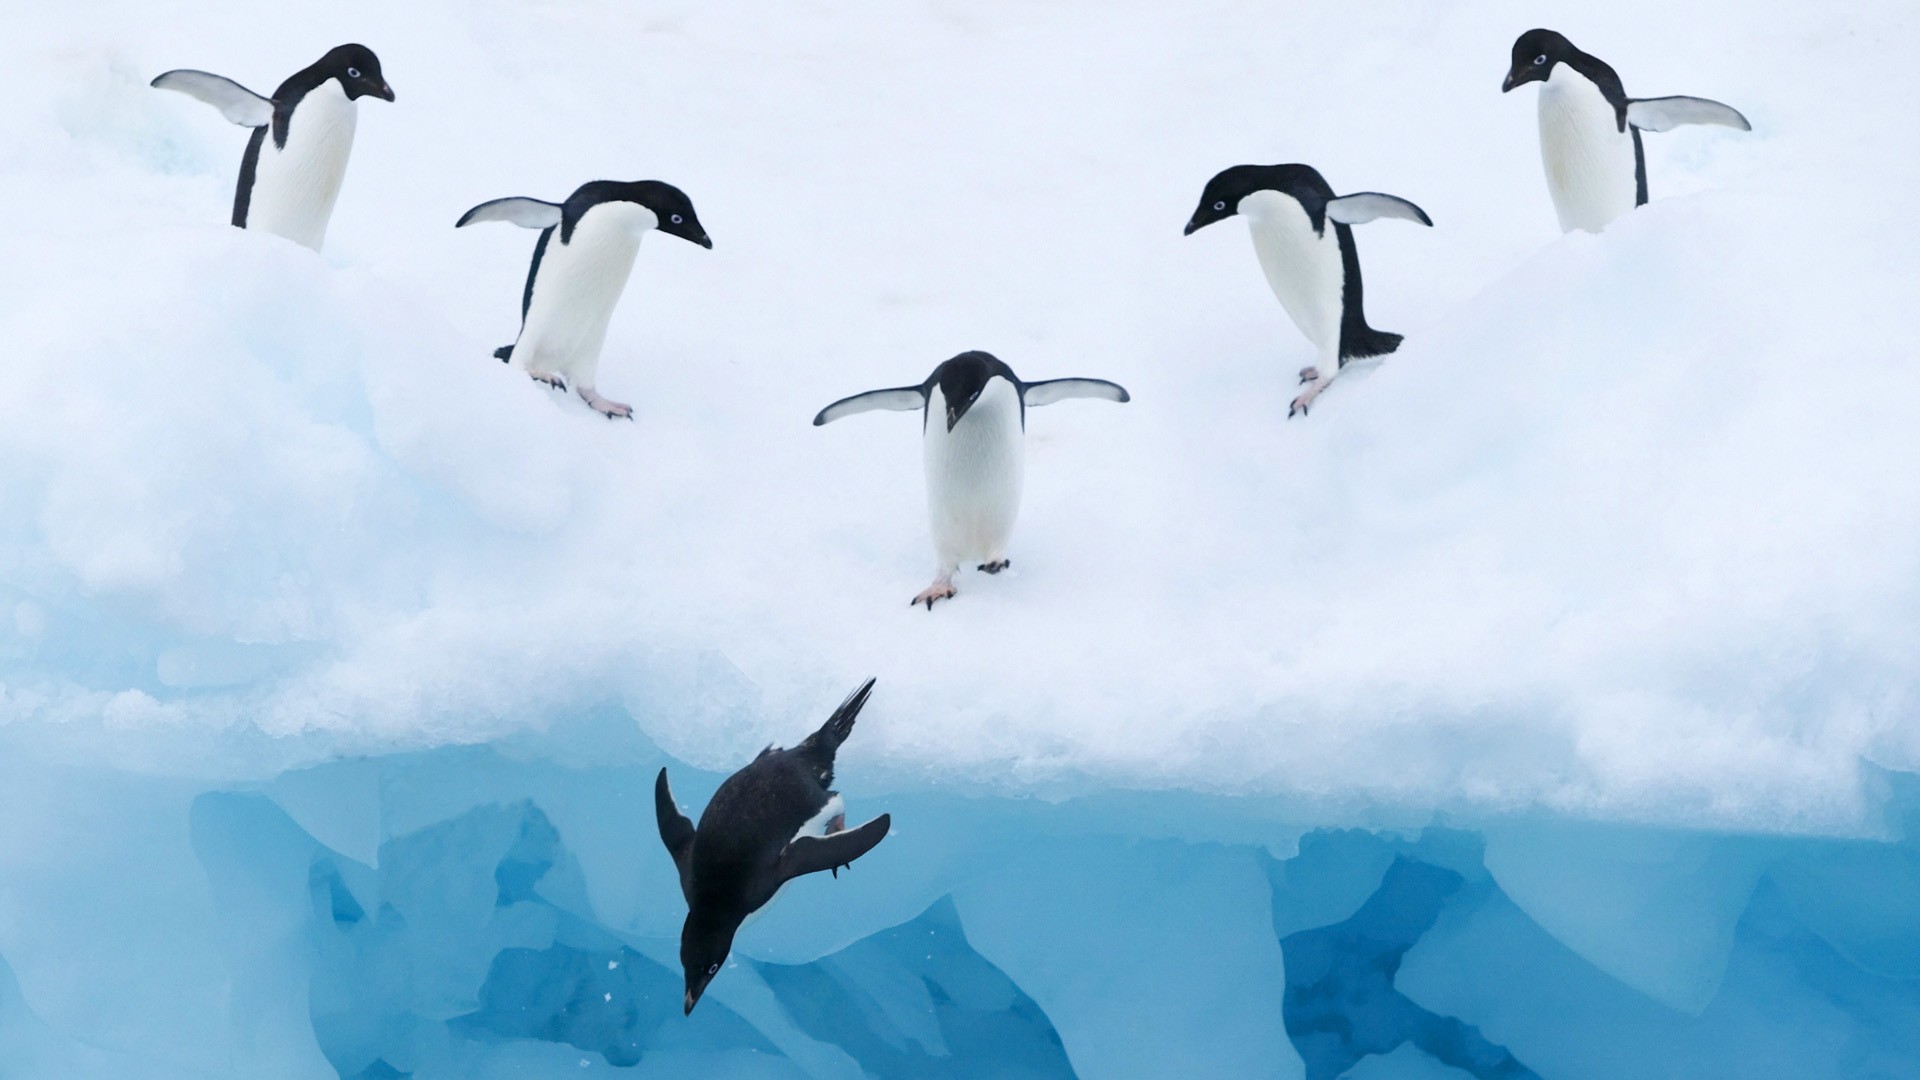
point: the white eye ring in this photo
(353, 73)
(676, 220)
(1220, 206)
(713, 969)
(1541, 59)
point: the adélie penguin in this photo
(1302, 234)
(973, 442)
(771, 822)
(1590, 129)
(302, 137)
(580, 266)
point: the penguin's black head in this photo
(1534, 54)
(672, 207)
(1221, 199)
(704, 945)
(962, 378)
(358, 71)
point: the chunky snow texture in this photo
(1623, 531)
(334, 654)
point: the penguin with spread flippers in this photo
(973, 438)
(580, 266)
(775, 820)
(302, 137)
(1590, 129)
(1303, 236)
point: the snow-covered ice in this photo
(335, 656)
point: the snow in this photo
(1610, 570)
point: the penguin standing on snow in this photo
(1303, 236)
(1590, 129)
(572, 286)
(973, 427)
(767, 824)
(302, 136)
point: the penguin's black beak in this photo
(693, 998)
(954, 413)
(385, 92)
(705, 241)
(1193, 226)
(1509, 83)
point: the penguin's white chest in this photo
(295, 186)
(1302, 266)
(1589, 161)
(577, 288)
(974, 474)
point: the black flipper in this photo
(675, 830)
(812, 854)
(503, 354)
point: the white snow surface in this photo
(1626, 530)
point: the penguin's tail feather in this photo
(503, 354)
(1369, 342)
(840, 725)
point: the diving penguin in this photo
(1313, 269)
(572, 286)
(302, 136)
(973, 426)
(1590, 129)
(774, 820)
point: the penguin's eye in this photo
(713, 969)
(1220, 205)
(353, 73)
(1539, 60)
(675, 219)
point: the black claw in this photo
(836, 873)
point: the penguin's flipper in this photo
(1667, 113)
(898, 399)
(1364, 206)
(235, 102)
(522, 211)
(675, 830)
(812, 854)
(1052, 390)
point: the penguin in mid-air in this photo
(1303, 236)
(302, 136)
(767, 824)
(572, 285)
(1590, 129)
(973, 436)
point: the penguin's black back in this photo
(757, 811)
(747, 823)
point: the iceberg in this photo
(1542, 706)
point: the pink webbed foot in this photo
(607, 407)
(940, 590)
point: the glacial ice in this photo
(1543, 706)
(1020, 938)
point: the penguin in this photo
(1590, 129)
(1313, 269)
(302, 136)
(774, 820)
(573, 285)
(973, 425)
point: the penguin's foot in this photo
(1309, 374)
(941, 589)
(549, 378)
(996, 566)
(606, 407)
(1306, 398)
